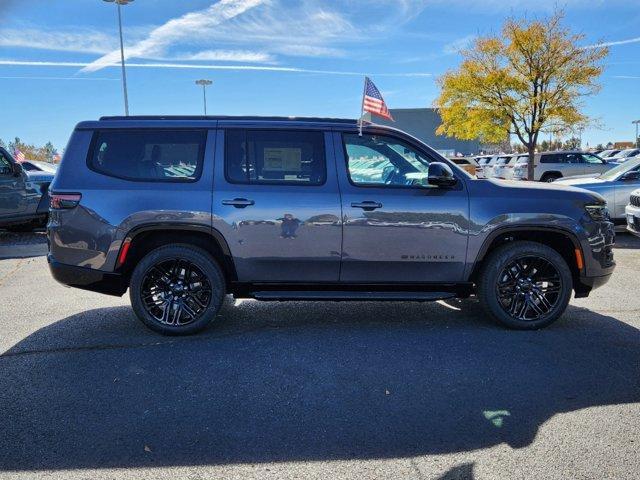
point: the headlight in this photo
(598, 212)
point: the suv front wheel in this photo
(525, 285)
(177, 289)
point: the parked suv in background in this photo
(183, 210)
(549, 166)
(23, 195)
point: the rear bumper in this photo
(88, 278)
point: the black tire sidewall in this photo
(498, 260)
(196, 255)
(550, 178)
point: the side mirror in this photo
(632, 175)
(441, 175)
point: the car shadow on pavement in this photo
(23, 244)
(301, 381)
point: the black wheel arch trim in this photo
(500, 231)
(190, 227)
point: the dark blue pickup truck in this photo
(24, 199)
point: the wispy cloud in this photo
(226, 56)
(459, 44)
(81, 79)
(79, 40)
(184, 27)
(615, 43)
(262, 68)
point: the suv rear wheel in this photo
(550, 177)
(525, 285)
(177, 289)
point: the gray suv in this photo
(184, 210)
(23, 195)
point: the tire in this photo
(550, 177)
(504, 289)
(161, 289)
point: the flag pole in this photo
(364, 91)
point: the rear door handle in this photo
(238, 202)
(367, 205)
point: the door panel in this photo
(593, 165)
(392, 231)
(279, 226)
(13, 201)
(623, 191)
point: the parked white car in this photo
(624, 155)
(503, 168)
(608, 153)
(489, 169)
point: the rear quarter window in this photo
(148, 155)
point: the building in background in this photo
(422, 124)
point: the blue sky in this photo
(277, 57)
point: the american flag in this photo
(19, 156)
(373, 101)
(56, 157)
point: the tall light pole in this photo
(637, 142)
(204, 83)
(119, 4)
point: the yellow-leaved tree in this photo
(531, 79)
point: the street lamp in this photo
(637, 142)
(119, 3)
(205, 84)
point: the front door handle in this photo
(367, 205)
(238, 202)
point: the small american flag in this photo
(19, 156)
(373, 101)
(56, 157)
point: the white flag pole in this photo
(364, 91)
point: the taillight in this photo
(64, 200)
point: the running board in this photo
(357, 296)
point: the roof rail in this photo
(239, 118)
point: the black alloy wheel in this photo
(524, 285)
(175, 292)
(529, 288)
(177, 289)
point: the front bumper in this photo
(599, 263)
(88, 278)
(632, 214)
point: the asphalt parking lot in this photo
(314, 390)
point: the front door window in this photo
(380, 160)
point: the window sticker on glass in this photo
(283, 159)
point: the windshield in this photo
(522, 160)
(614, 173)
(626, 153)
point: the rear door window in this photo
(550, 158)
(149, 155)
(287, 157)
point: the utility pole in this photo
(119, 4)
